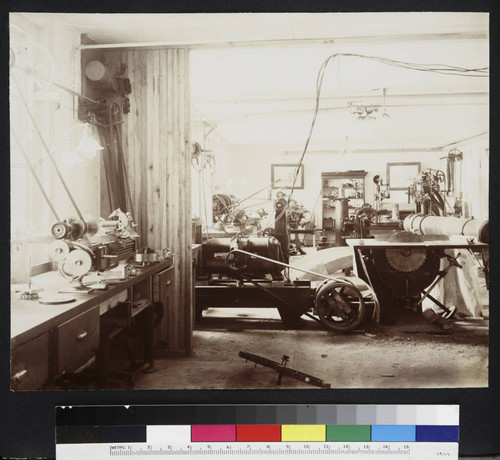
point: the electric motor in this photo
(215, 256)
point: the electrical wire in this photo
(316, 203)
(433, 68)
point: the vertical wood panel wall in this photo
(156, 142)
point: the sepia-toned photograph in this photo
(252, 200)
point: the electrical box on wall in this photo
(104, 79)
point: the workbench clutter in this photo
(102, 291)
(70, 345)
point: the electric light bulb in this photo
(88, 146)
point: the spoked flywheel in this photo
(339, 305)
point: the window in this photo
(29, 213)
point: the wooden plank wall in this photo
(156, 143)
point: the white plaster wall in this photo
(250, 170)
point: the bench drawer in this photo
(77, 340)
(30, 364)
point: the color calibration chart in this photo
(358, 432)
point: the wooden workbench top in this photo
(30, 318)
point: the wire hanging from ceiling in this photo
(444, 69)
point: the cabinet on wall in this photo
(342, 193)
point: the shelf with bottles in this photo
(336, 186)
(348, 184)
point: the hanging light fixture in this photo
(69, 158)
(88, 146)
(364, 111)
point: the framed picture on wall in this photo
(401, 175)
(282, 176)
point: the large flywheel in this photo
(339, 305)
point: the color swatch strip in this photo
(257, 433)
(323, 433)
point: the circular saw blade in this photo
(406, 259)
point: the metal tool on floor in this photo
(283, 370)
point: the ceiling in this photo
(254, 75)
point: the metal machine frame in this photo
(367, 255)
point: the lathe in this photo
(84, 245)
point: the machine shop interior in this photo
(221, 201)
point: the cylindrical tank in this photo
(437, 225)
(216, 250)
(341, 217)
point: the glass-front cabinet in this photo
(342, 193)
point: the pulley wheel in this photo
(60, 230)
(78, 263)
(58, 250)
(269, 231)
(236, 261)
(339, 305)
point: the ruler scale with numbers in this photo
(240, 432)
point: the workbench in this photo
(48, 341)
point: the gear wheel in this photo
(407, 259)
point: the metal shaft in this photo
(53, 83)
(285, 265)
